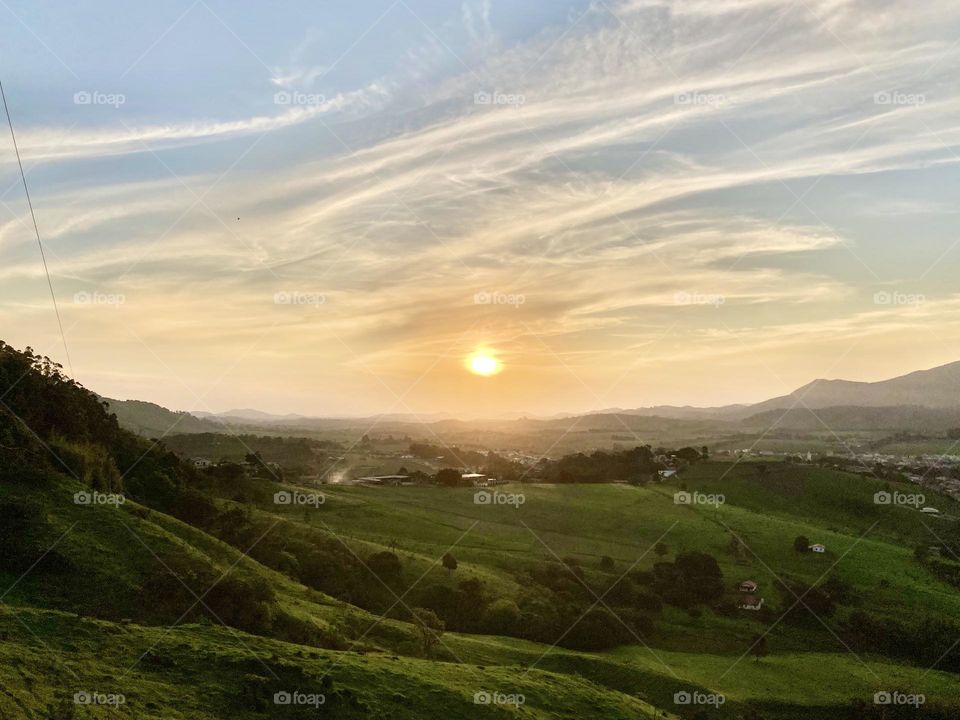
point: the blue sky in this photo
(628, 202)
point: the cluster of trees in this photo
(36, 392)
(490, 463)
(554, 608)
(300, 456)
(637, 465)
(928, 642)
(49, 422)
(805, 603)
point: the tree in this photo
(386, 566)
(836, 588)
(449, 561)
(598, 629)
(801, 543)
(759, 647)
(448, 477)
(736, 546)
(702, 578)
(921, 552)
(661, 549)
(689, 454)
(502, 617)
(607, 563)
(429, 629)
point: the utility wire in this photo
(36, 228)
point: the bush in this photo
(23, 527)
(599, 629)
(386, 566)
(502, 617)
(89, 463)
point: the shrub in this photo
(502, 617)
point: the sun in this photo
(483, 363)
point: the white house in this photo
(818, 548)
(201, 463)
(664, 474)
(930, 510)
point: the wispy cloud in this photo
(624, 167)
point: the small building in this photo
(930, 510)
(475, 479)
(201, 463)
(750, 602)
(666, 474)
(384, 479)
(747, 586)
(818, 548)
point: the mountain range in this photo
(925, 399)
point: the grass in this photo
(48, 651)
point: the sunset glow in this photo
(483, 364)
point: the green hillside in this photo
(128, 575)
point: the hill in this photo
(206, 594)
(152, 420)
(937, 387)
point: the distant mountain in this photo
(926, 399)
(938, 387)
(678, 412)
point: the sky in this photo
(330, 208)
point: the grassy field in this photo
(198, 669)
(869, 546)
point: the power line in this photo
(36, 228)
